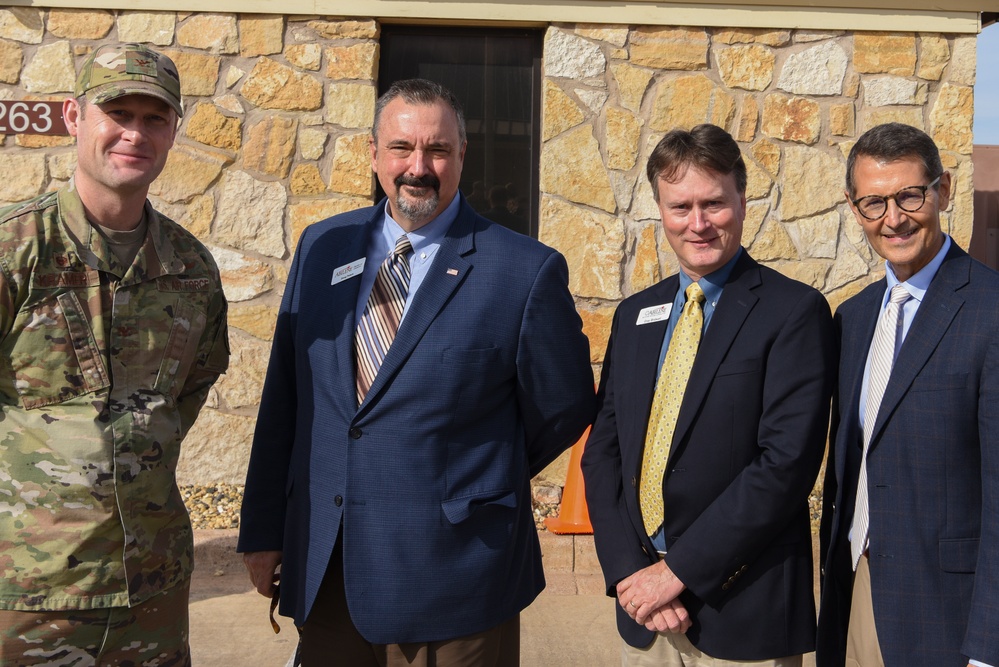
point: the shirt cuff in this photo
(978, 664)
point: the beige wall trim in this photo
(892, 15)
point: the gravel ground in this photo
(218, 506)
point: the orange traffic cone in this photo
(573, 516)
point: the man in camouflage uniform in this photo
(112, 331)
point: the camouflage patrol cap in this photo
(116, 70)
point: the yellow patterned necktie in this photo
(666, 406)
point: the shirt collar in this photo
(917, 285)
(427, 236)
(713, 283)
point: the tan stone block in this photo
(42, 140)
(557, 552)
(791, 118)
(623, 130)
(670, 48)
(813, 182)
(62, 165)
(758, 181)
(558, 113)
(306, 180)
(848, 267)
(884, 53)
(645, 262)
(773, 243)
(571, 167)
(188, 172)
(878, 115)
(24, 175)
(818, 70)
(199, 74)
(216, 449)
(260, 34)
(233, 75)
(836, 297)
(271, 85)
(50, 70)
(240, 386)
(623, 185)
(632, 82)
(958, 220)
(303, 214)
(311, 142)
(351, 105)
(767, 153)
(270, 146)
(934, 54)
(963, 62)
(804, 36)
(255, 319)
(80, 23)
(747, 67)
(210, 126)
(688, 101)
(952, 117)
(22, 24)
(851, 85)
(152, 27)
(11, 58)
(756, 214)
(842, 120)
(593, 99)
(571, 57)
(305, 56)
(230, 103)
(880, 91)
(749, 116)
(597, 328)
(351, 171)
(215, 33)
(643, 206)
(809, 271)
(346, 29)
(251, 214)
(357, 61)
(751, 36)
(616, 35)
(592, 242)
(816, 237)
(195, 215)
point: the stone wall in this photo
(278, 109)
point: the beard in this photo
(422, 209)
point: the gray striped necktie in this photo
(378, 324)
(882, 360)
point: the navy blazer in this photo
(427, 482)
(745, 454)
(933, 477)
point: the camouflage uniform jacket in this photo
(103, 369)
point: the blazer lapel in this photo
(345, 312)
(447, 272)
(940, 305)
(733, 308)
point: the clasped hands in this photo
(649, 596)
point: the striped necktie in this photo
(666, 406)
(378, 324)
(882, 360)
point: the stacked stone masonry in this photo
(278, 111)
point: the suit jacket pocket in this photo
(460, 509)
(959, 555)
(739, 367)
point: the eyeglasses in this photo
(909, 199)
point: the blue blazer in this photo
(746, 451)
(427, 482)
(933, 477)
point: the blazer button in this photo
(727, 585)
(634, 482)
(338, 500)
(354, 433)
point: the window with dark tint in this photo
(496, 74)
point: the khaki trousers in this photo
(675, 650)
(329, 638)
(862, 648)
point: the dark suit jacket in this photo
(427, 482)
(933, 477)
(746, 450)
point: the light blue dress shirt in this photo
(712, 285)
(425, 240)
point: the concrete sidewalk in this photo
(571, 624)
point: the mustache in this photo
(427, 181)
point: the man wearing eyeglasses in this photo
(910, 534)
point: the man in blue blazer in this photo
(402, 521)
(911, 574)
(723, 576)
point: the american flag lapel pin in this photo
(452, 272)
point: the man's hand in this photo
(648, 590)
(671, 618)
(262, 566)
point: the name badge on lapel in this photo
(348, 271)
(654, 313)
